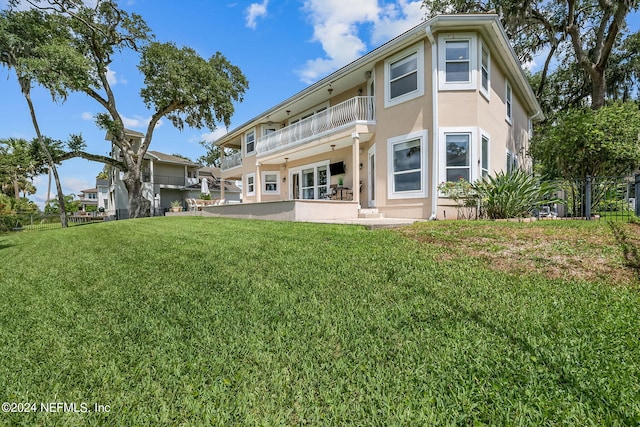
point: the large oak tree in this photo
(589, 29)
(179, 84)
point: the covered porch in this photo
(317, 157)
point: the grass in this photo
(199, 321)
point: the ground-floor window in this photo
(270, 182)
(251, 184)
(310, 182)
(485, 156)
(458, 156)
(512, 162)
(407, 165)
(464, 154)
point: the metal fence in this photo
(594, 198)
(36, 221)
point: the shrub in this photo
(463, 193)
(513, 195)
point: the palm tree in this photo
(17, 42)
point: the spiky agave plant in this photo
(513, 195)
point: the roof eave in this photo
(435, 24)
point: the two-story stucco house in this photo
(443, 101)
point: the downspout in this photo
(435, 161)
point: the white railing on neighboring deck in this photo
(231, 160)
(360, 108)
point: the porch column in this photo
(355, 149)
(221, 180)
(258, 184)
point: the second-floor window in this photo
(509, 102)
(457, 61)
(484, 71)
(404, 76)
(250, 142)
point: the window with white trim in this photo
(485, 75)
(484, 153)
(251, 184)
(404, 76)
(250, 142)
(407, 166)
(512, 162)
(271, 182)
(458, 61)
(509, 102)
(458, 161)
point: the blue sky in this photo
(280, 45)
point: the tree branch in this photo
(93, 157)
(152, 125)
(614, 30)
(545, 70)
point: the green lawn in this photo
(200, 321)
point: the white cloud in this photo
(255, 11)
(210, 136)
(75, 185)
(113, 79)
(395, 19)
(138, 122)
(87, 116)
(337, 25)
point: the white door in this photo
(371, 163)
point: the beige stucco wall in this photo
(402, 119)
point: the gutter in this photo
(434, 138)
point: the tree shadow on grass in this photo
(5, 245)
(629, 248)
(540, 357)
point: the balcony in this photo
(173, 181)
(354, 110)
(231, 161)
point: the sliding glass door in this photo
(310, 182)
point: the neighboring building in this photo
(165, 178)
(102, 185)
(98, 197)
(232, 193)
(443, 101)
(88, 198)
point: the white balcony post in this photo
(356, 167)
(221, 181)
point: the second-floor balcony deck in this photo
(169, 181)
(230, 161)
(359, 109)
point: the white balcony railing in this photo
(231, 160)
(360, 108)
(174, 181)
